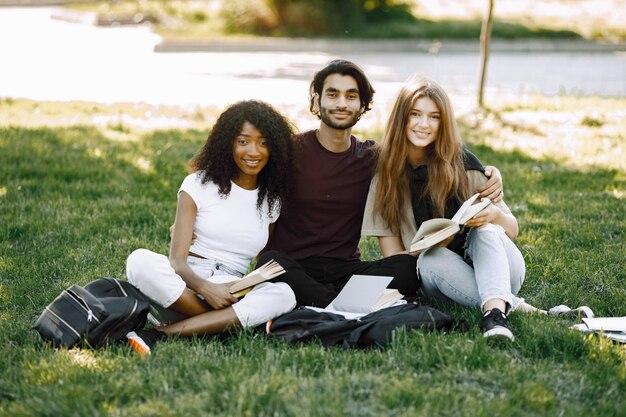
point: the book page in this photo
(249, 280)
(610, 327)
(390, 297)
(609, 324)
(469, 210)
(268, 271)
(617, 336)
(360, 294)
(432, 233)
(464, 207)
(431, 226)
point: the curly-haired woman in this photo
(225, 207)
(424, 172)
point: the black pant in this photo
(317, 280)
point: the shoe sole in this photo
(138, 344)
(500, 333)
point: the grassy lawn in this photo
(84, 184)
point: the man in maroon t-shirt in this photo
(317, 234)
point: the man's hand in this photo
(492, 189)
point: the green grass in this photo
(75, 200)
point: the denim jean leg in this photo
(517, 269)
(498, 264)
(447, 277)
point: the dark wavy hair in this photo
(342, 67)
(216, 156)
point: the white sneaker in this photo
(561, 310)
(153, 320)
(495, 324)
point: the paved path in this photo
(342, 46)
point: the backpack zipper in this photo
(69, 326)
(128, 317)
(83, 304)
(121, 288)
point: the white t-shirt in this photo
(229, 230)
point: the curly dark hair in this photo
(216, 156)
(342, 67)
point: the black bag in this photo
(374, 329)
(105, 310)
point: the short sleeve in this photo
(373, 225)
(192, 185)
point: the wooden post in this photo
(485, 40)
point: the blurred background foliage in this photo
(443, 19)
(314, 17)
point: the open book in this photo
(613, 328)
(364, 294)
(434, 231)
(266, 272)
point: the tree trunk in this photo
(485, 40)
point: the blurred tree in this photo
(336, 18)
(249, 16)
(485, 41)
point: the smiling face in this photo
(422, 126)
(250, 153)
(340, 103)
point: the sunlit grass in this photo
(121, 118)
(583, 132)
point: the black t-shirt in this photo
(323, 213)
(422, 207)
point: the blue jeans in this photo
(494, 268)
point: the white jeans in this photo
(153, 275)
(498, 270)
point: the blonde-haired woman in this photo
(424, 172)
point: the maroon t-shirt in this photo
(324, 210)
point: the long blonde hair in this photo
(446, 173)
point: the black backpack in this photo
(374, 329)
(103, 311)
